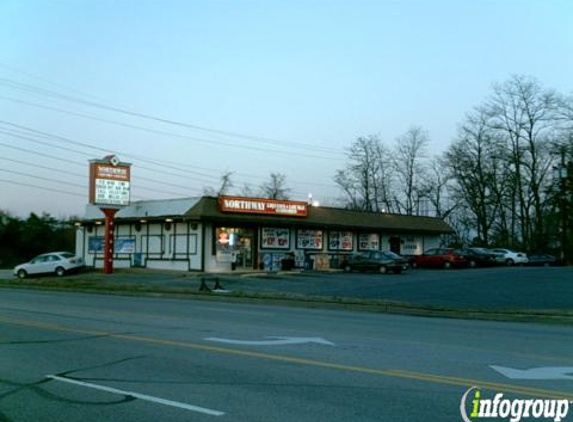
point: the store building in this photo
(235, 233)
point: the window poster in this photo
(275, 238)
(369, 241)
(309, 239)
(340, 240)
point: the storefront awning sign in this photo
(236, 204)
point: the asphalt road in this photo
(77, 357)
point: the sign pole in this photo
(108, 239)
(110, 181)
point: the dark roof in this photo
(207, 209)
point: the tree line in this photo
(494, 184)
(22, 239)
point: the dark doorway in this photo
(395, 244)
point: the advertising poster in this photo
(340, 241)
(223, 248)
(309, 239)
(321, 262)
(275, 238)
(124, 245)
(369, 241)
(121, 245)
(95, 244)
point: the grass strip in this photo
(556, 316)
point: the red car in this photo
(439, 258)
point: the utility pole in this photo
(562, 176)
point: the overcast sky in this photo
(281, 86)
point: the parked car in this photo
(478, 257)
(509, 257)
(382, 262)
(58, 263)
(439, 258)
(542, 259)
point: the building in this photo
(236, 233)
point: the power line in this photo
(75, 163)
(44, 188)
(142, 157)
(53, 94)
(186, 172)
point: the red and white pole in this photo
(108, 239)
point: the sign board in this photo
(109, 182)
(238, 204)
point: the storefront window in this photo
(275, 238)
(340, 241)
(309, 239)
(368, 241)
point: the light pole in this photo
(560, 174)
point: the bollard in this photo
(204, 287)
(218, 285)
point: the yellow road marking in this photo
(395, 373)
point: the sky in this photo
(188, 90)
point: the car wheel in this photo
(347, 269)
(447, 265)
(414, 265)
(60, 271)
(473, 264)
(546, 264)
(382, 269)
(22, 274)
(509, 262)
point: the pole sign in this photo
(237, 204)
(110, 182)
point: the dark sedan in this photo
(383, 262)
(544, 260)
(477, 257)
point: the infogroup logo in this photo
(512, 409)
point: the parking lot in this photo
(485, 288)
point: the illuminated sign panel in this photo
(236, 204)
(109, 182)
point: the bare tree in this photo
(524, 114)
(366, 180)
(225, 185)
(275, 187)
(409, 165)
(474, 161)
(438, 188)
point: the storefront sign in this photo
(275, 238)
(309, 239)
(109, 182)
(243, 205)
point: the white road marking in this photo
(541, 373)
(139, 396)
(275, 341)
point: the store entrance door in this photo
(395, 243)
(244, 248)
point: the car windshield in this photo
(67, 255)
(391, 255)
